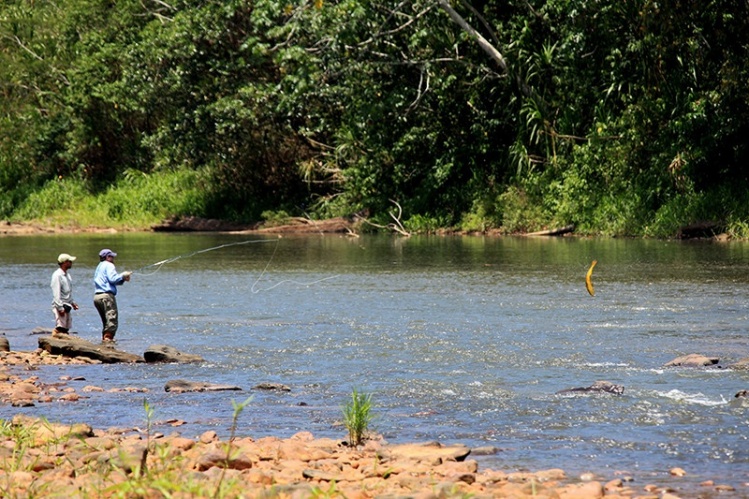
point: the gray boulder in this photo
(167, 354)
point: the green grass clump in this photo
(357, 415)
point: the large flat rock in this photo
(72, 346)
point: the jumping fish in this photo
(588, 282)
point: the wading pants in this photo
(106, 305)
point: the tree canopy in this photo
(621, 117)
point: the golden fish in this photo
(588, 283)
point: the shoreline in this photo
(76, 460)
(349, 227)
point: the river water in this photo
(457, 339)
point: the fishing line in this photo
(160, 264)
(254, 289)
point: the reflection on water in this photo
(458, 339)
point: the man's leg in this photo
(61, 323)
(106, 305)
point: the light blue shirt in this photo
(106, 278)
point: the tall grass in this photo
(137, 201)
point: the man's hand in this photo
(126, 275)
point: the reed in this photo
(357, 415)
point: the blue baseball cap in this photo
(106, 252)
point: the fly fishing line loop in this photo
(298, 283)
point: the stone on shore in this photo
(432, 451)
(76, 461)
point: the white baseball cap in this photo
(64, 257)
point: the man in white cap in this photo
(62, 295)
(106, 280)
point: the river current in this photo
(458, 339)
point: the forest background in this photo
(622, 117)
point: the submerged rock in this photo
(741, 364)
(598, 386)
(167, 354)
(273, 387)
(181, 386)
(692, 360)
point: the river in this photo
(457, 339)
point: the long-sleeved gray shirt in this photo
(62, 289)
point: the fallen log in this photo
(559, 231)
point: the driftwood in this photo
(197, 224)
(298, 225)
(71, 346)
(396, 226)
(559, 231)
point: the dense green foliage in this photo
(621, 117)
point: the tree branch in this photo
(483, 42)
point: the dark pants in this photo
(106, 305)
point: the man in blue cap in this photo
(106, 280)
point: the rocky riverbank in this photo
(44, 459)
